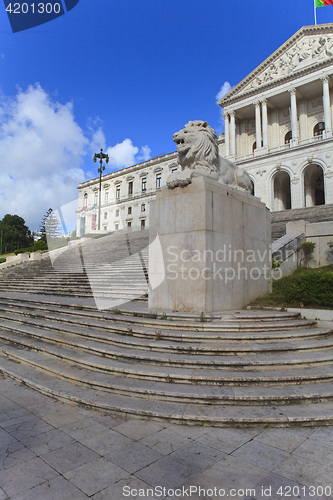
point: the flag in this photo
(323, 3)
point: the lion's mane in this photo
(197, 147)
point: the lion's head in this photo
(197, 146)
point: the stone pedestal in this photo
(210, 248)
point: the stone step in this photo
(109, 329)
(178, 412)
(215, 394)
(167, 331)
(182, 368)
(320, 213)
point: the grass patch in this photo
(5, 255)
(116, 311)
(304, 288)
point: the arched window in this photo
(85, 199)
(282, 192)
(288, 137)
(314, 187)
(319, 129)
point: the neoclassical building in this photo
(278, 126)
(278, 122)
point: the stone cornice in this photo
(129, 170)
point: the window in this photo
(106, 195)
(117, 213)
(116, 226)
(143, 223)
(85, 200)
(105, 228)
(105, 215)
(319, 129)
(129, 223)
(130, 188)
(158, 180)
(96, 199)
(288, 137)
(255, 146)
(174, 170)
(143, 207)
(129, 210)
(144, 184)
(118, 192)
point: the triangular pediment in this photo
(309, 47)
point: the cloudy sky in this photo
(123, 76)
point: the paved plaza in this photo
(56, 451)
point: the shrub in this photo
(39, 245)
(308, 249)
(311, 287)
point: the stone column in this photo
(232, 133)
(258, 125)
(226, 133)
(327, 106)
(264, 123)
(294, 125)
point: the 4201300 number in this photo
(32, 8)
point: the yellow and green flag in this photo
(323, 3)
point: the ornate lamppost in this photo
(102, 156)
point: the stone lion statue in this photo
(198, 154)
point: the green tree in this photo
(14, 234)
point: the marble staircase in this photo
(228, 369)
(114, 266)
(241, 368)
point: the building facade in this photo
(278, 126)
(278, 122)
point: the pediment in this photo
(310, 46)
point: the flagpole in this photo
(315, 11)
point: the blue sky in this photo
(123, 75)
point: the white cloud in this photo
(125, 154)
(226, 87)
(97, 141)
(144, 153)
(41, 150)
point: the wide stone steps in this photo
(102, 325)
(114, 266)
(214, 394)
(116, 335)
(179, 412)
(225, 369)
(95, 353)
(150, 364)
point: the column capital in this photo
(293, 91)
(232, 114)
(325, 79)
(256, 104)
(264, 102)
(225, 115)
